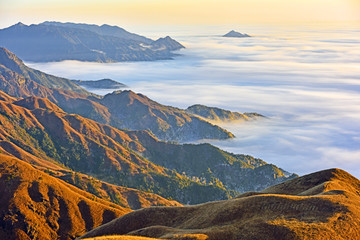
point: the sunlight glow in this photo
(163, 12)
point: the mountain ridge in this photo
(221, 115)
(54, 41)
(168, 123)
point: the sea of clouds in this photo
(306, 80)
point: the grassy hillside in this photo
(322, 205)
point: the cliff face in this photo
(322, 205)
(54, 41)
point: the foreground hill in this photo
(54, 41)
(322, 205)
(35, 205)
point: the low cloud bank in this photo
(307, 82)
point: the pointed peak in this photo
(233, 33)
(19, 24)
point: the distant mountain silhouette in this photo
(235, 34)
(54, 41)
(100, 84)
(218, 114)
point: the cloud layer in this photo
(306, 80)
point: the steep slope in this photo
(210, 164)
(322, 205)
(122, 196)
(56, 42)
(35, 205)
(95, 149)
(12, 62)
(224, 168)
(138, 112)
(218, 114)
(119, 109)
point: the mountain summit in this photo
(235, 34)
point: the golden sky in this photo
(146, 12)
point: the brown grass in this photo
(34, 205)
(323, 205)
(120, 238)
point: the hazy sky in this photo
(165, 12)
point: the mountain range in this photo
(48, 131)
(65, 174)
(121, 109)
(68, 167)
(55, 41)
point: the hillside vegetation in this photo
(322, 205)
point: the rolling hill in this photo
(322, 205)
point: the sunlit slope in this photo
(42, 129)
(35, 205)
(122, 109)
(322, 205)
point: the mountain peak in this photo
(33, 102)
(19, 24)
(235, 34)
(168, 43)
